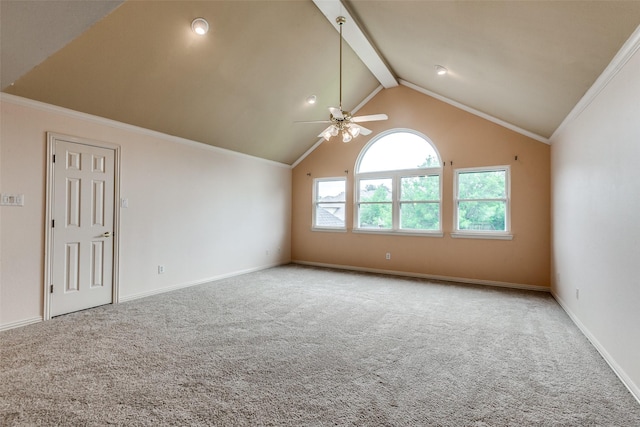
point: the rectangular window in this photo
(329, 202)
(420, 202)
(375, 204)
(482, 201)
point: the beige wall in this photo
(596, 225)
(467, 141)
(203, 213)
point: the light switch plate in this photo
(12, 200)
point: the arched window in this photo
(399, 184)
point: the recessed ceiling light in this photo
(440, 70)
(200, 26)
(312, 99)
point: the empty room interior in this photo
(319, 212)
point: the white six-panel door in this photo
(82, 227)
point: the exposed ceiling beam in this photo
(353, 34)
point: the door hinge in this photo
(54, 158)
(51, 289)
(53, 223)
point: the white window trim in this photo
(315, 202)
(412, 233)
(395, 176)
(478, 234)
(492, 235)
(395, 202)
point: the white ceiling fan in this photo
(341, 122)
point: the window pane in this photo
(397, 151)
(481, 216)
(331, 191)
(420, 216)
(375, 215)
(482, 185)
(330, 215)
(375, 190)
(417, 188)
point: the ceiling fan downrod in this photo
(341, 122)
(340, 20)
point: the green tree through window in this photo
(375, 203)
(420, 202)
(399, 184)
(482, 199)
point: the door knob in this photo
(106, 234)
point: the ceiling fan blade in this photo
(371, 118)
(363, 130)
(336, 112)
(314, 121)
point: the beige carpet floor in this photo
(305, 346)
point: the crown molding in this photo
(475, 112)
(626, 52)
(38, 105)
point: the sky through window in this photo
(397, 151)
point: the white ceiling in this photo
(243, 85)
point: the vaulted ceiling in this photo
(243, 85)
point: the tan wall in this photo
(467, 141)
(203, 213)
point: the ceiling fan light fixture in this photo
(340, 121)
(346, 136)
(200, 26)
(440, 70)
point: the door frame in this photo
(52, 137)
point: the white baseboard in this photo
(21, 323)
(428, 276)
(633, 388)
(39, 319)
(194, 283)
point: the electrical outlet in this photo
(161, 269)
(388, 255)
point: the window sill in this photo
(399, 233)
(489, 236)
(330, 230)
